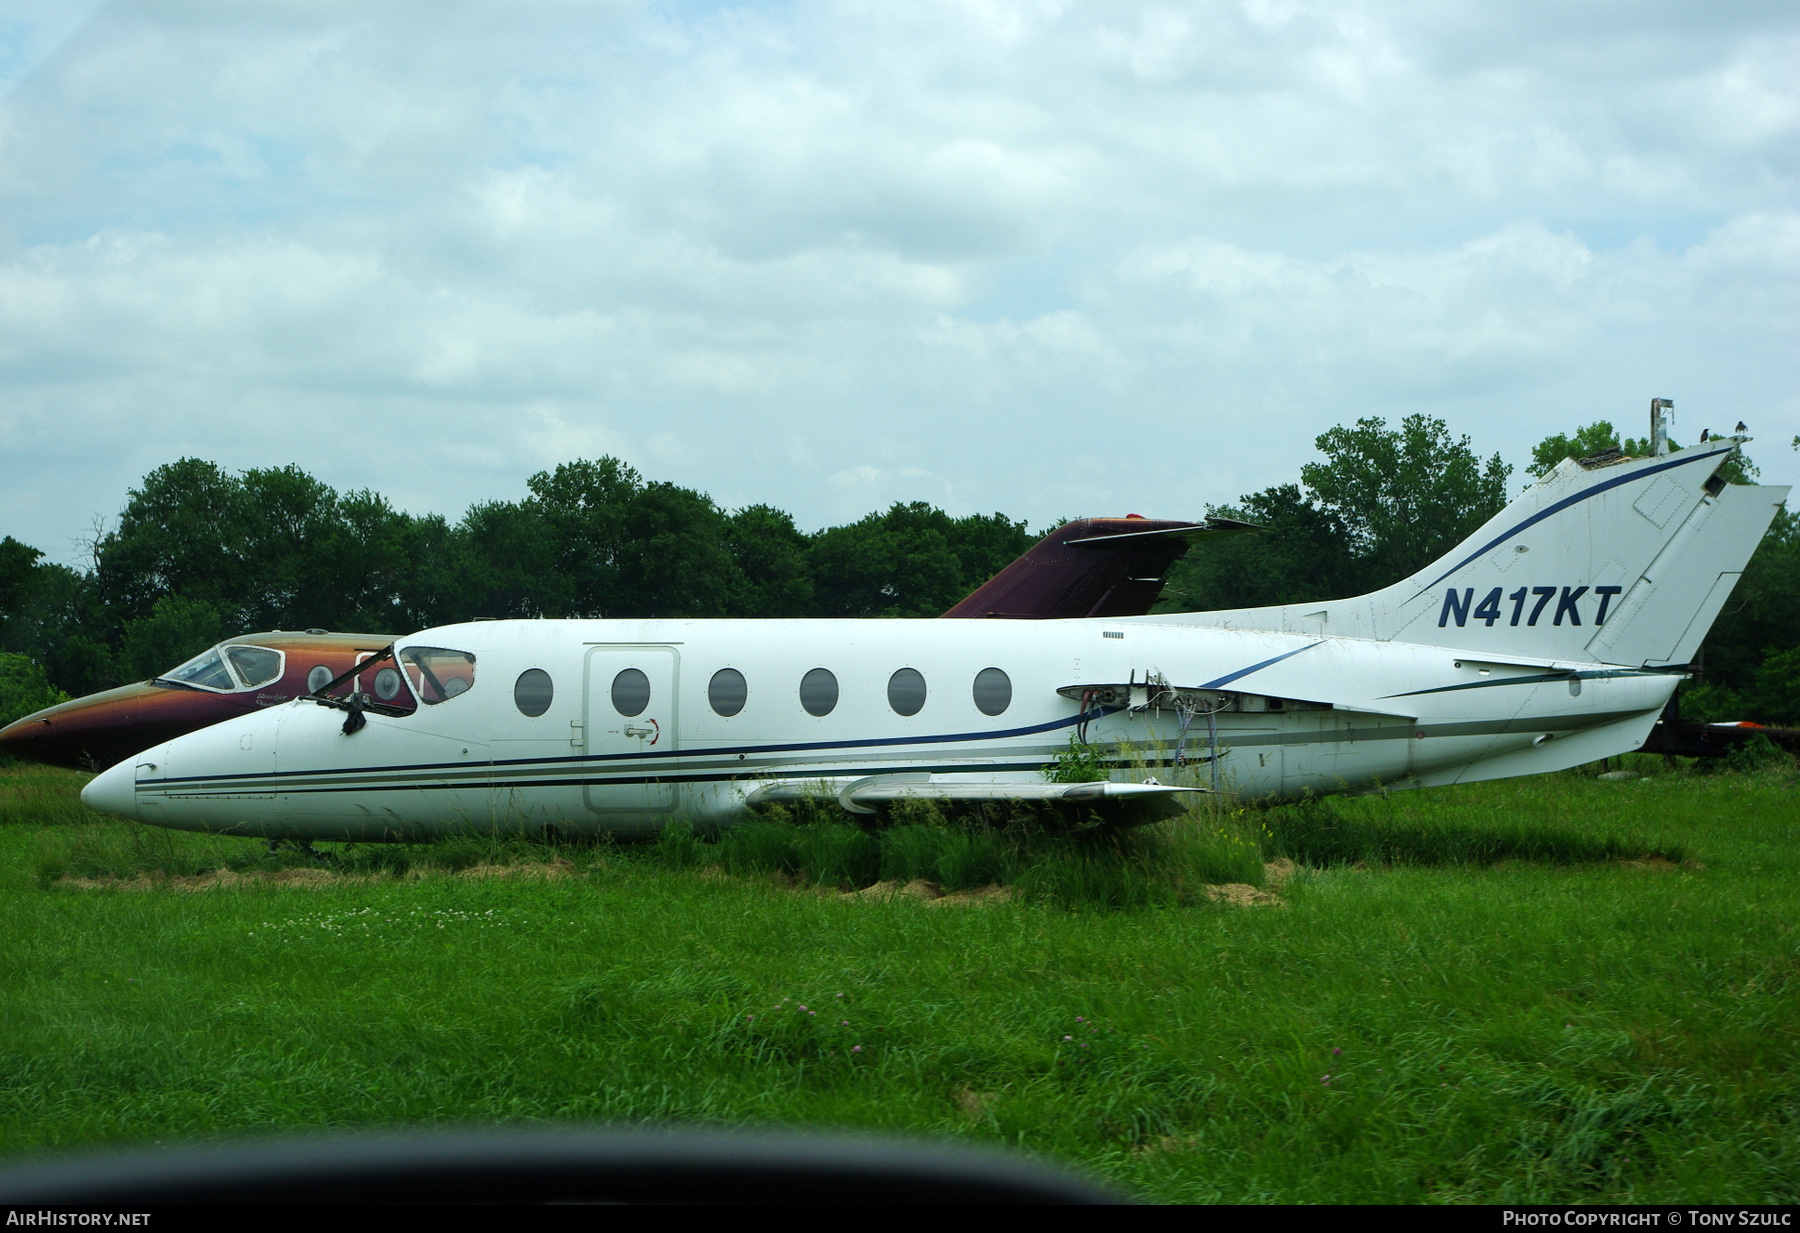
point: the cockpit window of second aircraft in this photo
(206, 671)
(254, 665)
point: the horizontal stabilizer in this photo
(874, 793)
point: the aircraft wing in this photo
(872, 793)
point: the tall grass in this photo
(1170, 864)
(1479, 993)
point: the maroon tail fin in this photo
(1092, 567)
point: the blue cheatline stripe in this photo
(1229, 677)
(644, 755)
(1542, 679)
(715, 751)
(642, 781)
(724, 750)
(1561, 505)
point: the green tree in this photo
(391, 572)
(18, 569)
(1596, 438)
(287, 573)
(62, 624)
(1404, 496)
(1300, 554)
(182, 533)
(627, 548)
(507, 563)
(770, 554)
(24, 688)
(176, 630)
(914, 560)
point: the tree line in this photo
(200, 553)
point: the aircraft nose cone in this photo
(114, 791)
(32, 738)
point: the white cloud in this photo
(1047, 259)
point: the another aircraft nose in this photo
(15, 737)
(83, 733)
(114, 790)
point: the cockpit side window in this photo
(255, 665)
(438, 674)
(207, 670)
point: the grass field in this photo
(1555, 989)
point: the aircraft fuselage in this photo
(642, 722)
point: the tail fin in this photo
(1624, 563)
(1093, 567)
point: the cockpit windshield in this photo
(207, 670)
(255, 665)
(437, 674)
(229, 668)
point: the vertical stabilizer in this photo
(1624, 563)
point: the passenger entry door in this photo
(629, 723)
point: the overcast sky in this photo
(1044, 259)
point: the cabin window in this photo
(255, 665)
(533, 691)
(819, 692)
(318, 678)
(993, 691)
(387, 685)
(906, 692)
(206, 670)
(630, 692)
(727, 691)
(438, 674)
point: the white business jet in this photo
(1551, 637)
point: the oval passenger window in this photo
(532, 692)
(818, 692)
(387, 685)
(318, 678)
(727, 691)
(906, 692)
(993, 691)
(630, 692)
